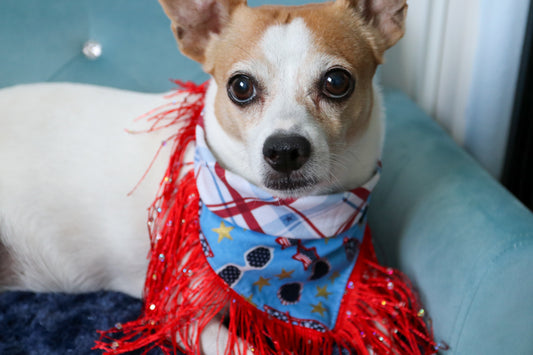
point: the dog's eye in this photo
(241, 89)
(337, 84)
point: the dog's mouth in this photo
(287, 158)
(290, 184)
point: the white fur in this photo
(66, 166)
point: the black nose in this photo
(286, 153)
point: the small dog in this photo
(291, 107)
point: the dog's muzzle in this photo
(286, 153)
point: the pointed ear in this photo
(385, 16)
(194, 21)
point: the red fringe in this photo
(183, 294)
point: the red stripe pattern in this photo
(311, 217)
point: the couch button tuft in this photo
(92, 49)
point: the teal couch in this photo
(464, 241)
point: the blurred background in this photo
(468, 65)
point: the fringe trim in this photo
(379, 312)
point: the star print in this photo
(262, 282)
(223, 232)
(323, 292)
(284, 274)
(334, 276)
(318, 308)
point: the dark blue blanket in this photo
(47, 323)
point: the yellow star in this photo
(334, 276)
(284, 274)
(223, 232)
(262, 282)
(323, 292)
(318, 308)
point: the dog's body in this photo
(291, 107)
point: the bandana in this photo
(294, 276)
(291, 258)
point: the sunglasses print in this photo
(256, 259)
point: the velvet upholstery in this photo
(466, 243)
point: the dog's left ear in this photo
(387, 17)
(195, 21)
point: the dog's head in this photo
(291, 106)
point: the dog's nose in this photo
(286, 153)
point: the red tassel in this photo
(183, 294)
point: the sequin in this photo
(442, 346)
(390, 286)
(161, 257)
(114, 345)
(152, 307)
(390, 271)
(118, 326)
(350, 285)
(421, 312)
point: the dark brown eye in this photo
(337, 84)
(241, 89)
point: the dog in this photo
(292, 107)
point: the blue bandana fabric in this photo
(291, 258)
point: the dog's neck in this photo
(357, 161)
(240, 202)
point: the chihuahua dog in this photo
(291, 107)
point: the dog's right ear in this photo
(195, 21)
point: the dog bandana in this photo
(286, 276)
(290, 258)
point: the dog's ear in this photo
(195, 21)
(385, 16)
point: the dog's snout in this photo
(286, 153)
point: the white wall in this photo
(459, 60)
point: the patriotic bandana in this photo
(290, 258)
(287, 276)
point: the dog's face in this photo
(292, 96)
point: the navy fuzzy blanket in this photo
(55, 323)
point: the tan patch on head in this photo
(340, 32)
